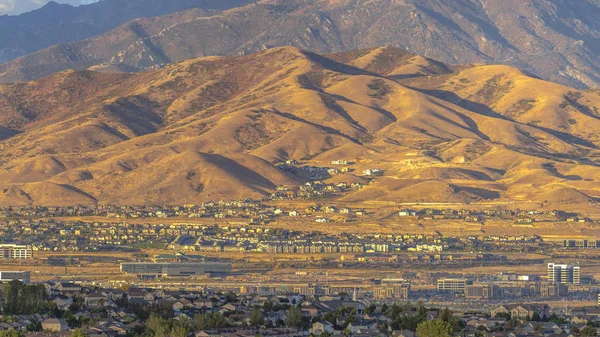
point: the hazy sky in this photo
(13, 7)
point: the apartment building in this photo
(564, 274)
(12, 251)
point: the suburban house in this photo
(55, 324)
(523, 311)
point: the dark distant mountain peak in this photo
(555, 40)
(54, 4)
(56, 23)
(53, 7)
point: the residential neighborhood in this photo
(66, 308)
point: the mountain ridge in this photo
(61, 23)
(556, 41)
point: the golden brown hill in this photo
(393, 62)
(214, 128)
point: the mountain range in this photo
(215, 128)
(59, 23)
(555, 40)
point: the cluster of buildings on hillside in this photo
(296, 242)
(55, 235)
(258, 211)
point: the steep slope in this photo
(556, 40)
(512, 95)
(214, 128)
(54, 23)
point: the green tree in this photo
(268, 306)
(588, 331)
(23, 299)
(330, 317)
(293, 318)
(33, 298)
(512, 323)
(34, 326)
(185, 323)
(447, 316)
(11, 297)
(256, 317)
(178, 331)
(157, 326)
(11, 333)
(435, 328)
(350, 319)
(210, 321)
(557, 319)
(78, 333)
(231, 297)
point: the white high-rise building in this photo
(563, 273)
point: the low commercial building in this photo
(312, 289)
(7, 276)
(392, 288)
(392, 291)
(175, 269)
(483, 291)
(453, 285)
(550, 289)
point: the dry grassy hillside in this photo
(213, 128)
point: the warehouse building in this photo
(175, 269)
(7, 276)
